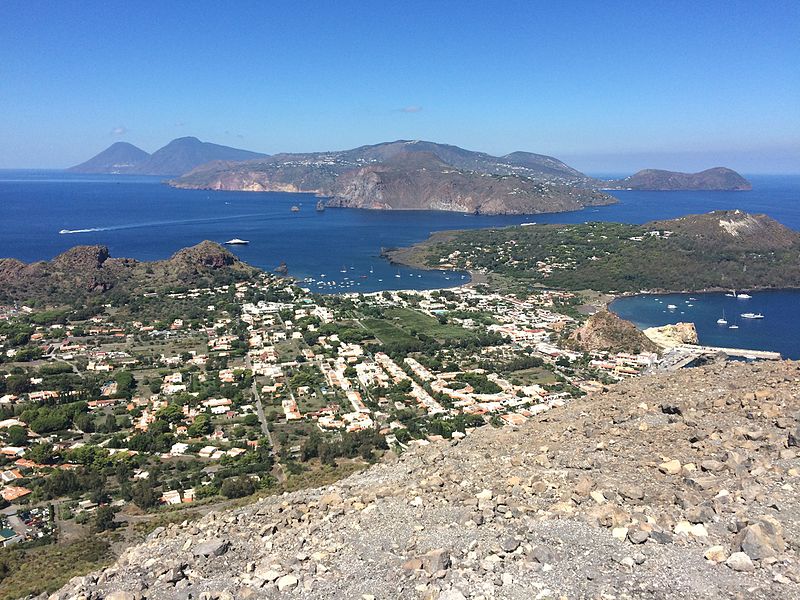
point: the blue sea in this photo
(339, 249)
(779, 330)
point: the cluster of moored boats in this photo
(350, 281)
(722, 320)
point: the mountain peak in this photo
(179, 156)
(119, 157)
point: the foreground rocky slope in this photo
(680, 485)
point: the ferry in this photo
(749, 315)
(237, 242)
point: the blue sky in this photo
(606, 86)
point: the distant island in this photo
(412, 175)
(399, 175)
(179, 156)
(716, 179)
(717, 250)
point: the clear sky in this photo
(606, 86)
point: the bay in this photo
(142, 218)
(778, 331)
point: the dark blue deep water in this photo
(779, 330)
(142, 218)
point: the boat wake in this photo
(158, 224)
(70, 231)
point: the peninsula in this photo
(696, 252)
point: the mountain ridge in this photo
(175, 158)
(411, 175)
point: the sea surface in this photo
(779, 330)
(336, 250)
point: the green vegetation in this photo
(685, 254)
(415, 321)
(44, 569)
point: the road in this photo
(264, 423)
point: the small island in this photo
(716, 179)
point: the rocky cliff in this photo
(716, 179)
(85, 271)
(681, 485)
(414, 181)
(605, 331)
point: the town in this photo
(111, 416)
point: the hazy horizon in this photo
(605, 88)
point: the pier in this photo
(682, 355)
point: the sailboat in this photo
(721, 320)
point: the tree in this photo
(237, 487)
(109, 424)
(40, 453)
(143, 495)
(200, 426)
(16, 435)
(104, 519)
(84, 423)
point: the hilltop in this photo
(716, 179)
(674, 485)
(721, 249)
(89, 271)
(179, 156)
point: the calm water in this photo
(140, 217)
(779, 330)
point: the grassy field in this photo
(532, 376)
(386, 332)
(411, 319)
(46, 568)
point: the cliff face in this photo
(718, 178)
(679, 485)
(669, 336)
(415, 181)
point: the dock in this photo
(682, 355)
